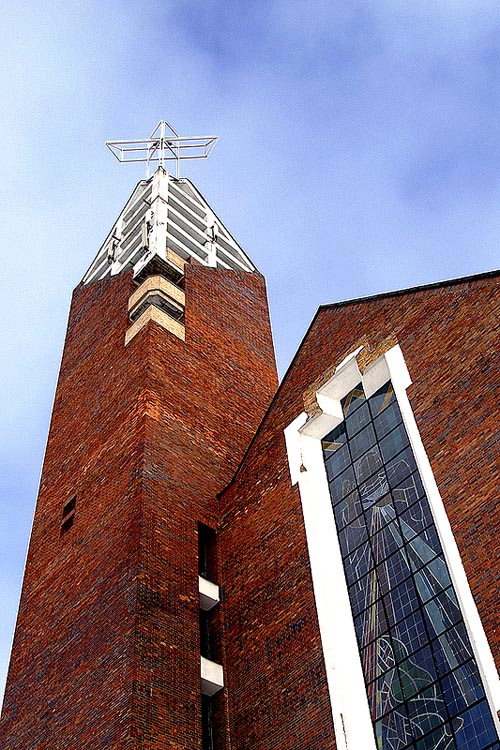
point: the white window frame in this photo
(348, 697)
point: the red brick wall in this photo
(449, 337)
(106, 651)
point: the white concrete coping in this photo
(212, 677)
(209, 593)
(158, 316)
(157, 284)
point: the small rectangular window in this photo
(69, 507)
(67, 524)
(207, 561)
(207, 737)
(68, 515)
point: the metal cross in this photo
(164, 144)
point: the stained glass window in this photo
(423, 685)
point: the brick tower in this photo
(167, 370)
(219, 565)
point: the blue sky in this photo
(358, 153)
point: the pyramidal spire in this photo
(166, 217)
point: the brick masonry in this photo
(106, 651)
(151, 438)
(449, 336)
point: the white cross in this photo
(164, 144)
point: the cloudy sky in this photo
(358, 153)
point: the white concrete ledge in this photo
(212, 677)
(158, 316)
(157, 284)
(209, 593)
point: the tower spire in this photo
(164, 144)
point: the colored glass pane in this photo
(423, 686)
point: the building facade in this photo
(220, 563)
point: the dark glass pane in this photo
(411, 632)
(353, 400)
(384, 692)
(360, 594)
(417, 672)
(387, 420)
(477, 730)
(357, 420)
(401, 601)
(420, 554)
(384, 508)
(393, 731)
(459, 643)
(392, 571)
(342, 485)
(432, 579)
(427, 712)
(441, 612)
(414, 519)
(370, 624)
(362, 442)
(382, 398)
(338, 460)
(462, 688)
(347, 509)
(334, 439)
(400, 467)
(430, 537)
(358, 565)
(387, 540)
(393, 443)
(335, 451)
(437, 571)
(371, 477)
(350, 537)
(439, 739)
(407, 493)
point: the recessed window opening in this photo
(68, 515)
(162, 267)
(206, 649)
(69, 507)
(67, 524)
(207, 569)
(422, 681)
(207, 736)
(207, 561)
(209, 641)
(162, 302)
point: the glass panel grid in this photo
(422, 683)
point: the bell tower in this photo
(168, 368)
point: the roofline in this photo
(384, 295)
(411, 289)
(368, 298)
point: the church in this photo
(222, 562)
